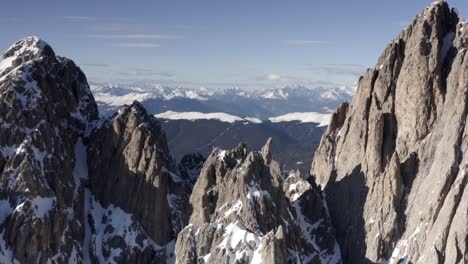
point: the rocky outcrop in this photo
(240, 213)
(393, 163)
(73, 188)
(130, 167)
(129, 155)
(45, 107)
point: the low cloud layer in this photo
(341, 69)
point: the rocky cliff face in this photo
(130, 167)
(243, 210)
(74, 188)
(129, 155)
(393, 163)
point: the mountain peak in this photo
(138, 107)
(29, 44)
(436, 5)
(439, 11)
(24, 50)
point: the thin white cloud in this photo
(134, 36)
(137, 45)
(273, 77)
(342, 69)
(305, 42)
(80, 18)
(142, 72)
(112, 27)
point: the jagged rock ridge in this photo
(393, 163)
(243, 210)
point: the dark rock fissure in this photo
(408, 169)
(375, 75)
(346, 200)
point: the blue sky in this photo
(215, 44)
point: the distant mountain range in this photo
(260, 104)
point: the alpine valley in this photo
(196, 120)
(151, 174)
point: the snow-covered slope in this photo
(312, 117)
(21, 52)
(223, 117)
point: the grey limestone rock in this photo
(393, 164)
(240, 213)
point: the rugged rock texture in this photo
(393, 163)
(129, 155)
(190, 167)
(45, 107)
(130, 167)
(241, 214)
(126, 206)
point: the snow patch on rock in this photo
(110, 223)
(41, 206)
(80, 171)
(239, 244)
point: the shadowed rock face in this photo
(129, 155)
(73, 188)
(190, 167)
(244, 210)
(393, 163)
